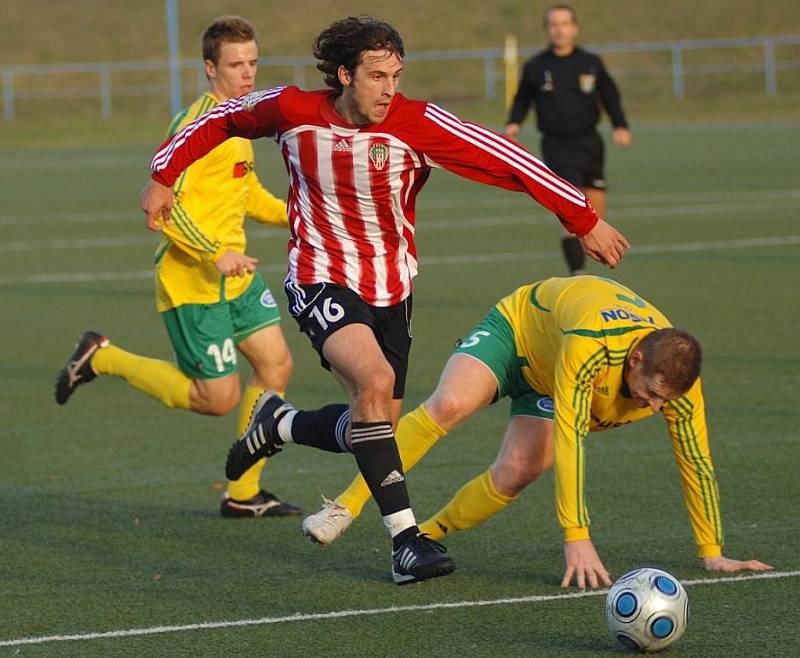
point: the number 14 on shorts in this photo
(227, 354)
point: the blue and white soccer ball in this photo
(647, 610)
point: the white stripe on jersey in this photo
(400, 220)
(298, 183)
(325, 139)
(507, 151)
(369, 212)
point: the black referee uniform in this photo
(567, 93)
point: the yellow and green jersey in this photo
(212, 198)
(573, 336)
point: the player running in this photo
(574, 355)
(208, 292)
(357, 155)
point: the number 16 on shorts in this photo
(326, 312)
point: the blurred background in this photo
(82, 68)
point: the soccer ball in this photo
(647, 610)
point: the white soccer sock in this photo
(285, 426)
(398, 521)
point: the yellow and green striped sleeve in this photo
(264, 206)
(188, 237)
(579, 362)
(687, 426)
(182, 231)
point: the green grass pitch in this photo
(109, 505)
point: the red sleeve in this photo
(483, 155)
(254, 115)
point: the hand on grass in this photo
(728, 565)
(583, 563)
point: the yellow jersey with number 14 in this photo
(573, 336)
(212, 198)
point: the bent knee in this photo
(510, 478)
(377, 386)
(445, 409)
(217, 401)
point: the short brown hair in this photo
(343, 42)
(226, 29)
(546, 15)
(673, 354)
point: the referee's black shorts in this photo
(578, 159)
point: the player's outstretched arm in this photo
(726, 564)
(605, 244)
(584, 565)
(156, 201)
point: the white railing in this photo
(102, 90)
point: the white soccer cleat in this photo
(327, 525)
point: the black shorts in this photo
(578, 159)
(323, 308)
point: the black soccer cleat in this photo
(260, 439)
(78, 370)
(262, 504)
(418, 558)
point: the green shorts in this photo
(491, 342)
(204, 336)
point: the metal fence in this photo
(58, 81)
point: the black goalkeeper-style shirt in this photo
(567, 93)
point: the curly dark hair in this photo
(343, 42)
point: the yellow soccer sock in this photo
(248, 485)
(159, 379)
(475, 502)
(415, 435)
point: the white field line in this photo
(367, 612)
(637, 214)
(430, 261)
(506, 201)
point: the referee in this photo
(568, 85)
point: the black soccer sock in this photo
(324, 428)
(379, 462)
(573, 253)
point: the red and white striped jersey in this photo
(352, 189)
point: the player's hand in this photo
(513, 130)
(728, 565)
(622, 137)
(583, 564)
(156, 200)
(605, 244)
(232, 263)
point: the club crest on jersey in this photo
(251, 100)
(379, 154)
(587, 82)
